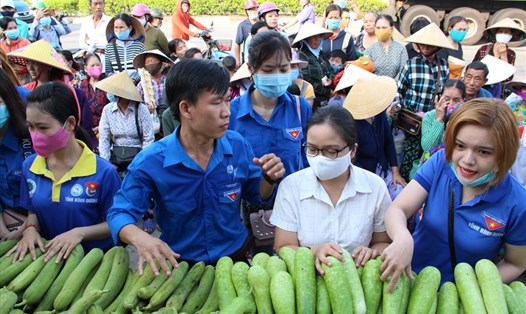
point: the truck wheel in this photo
(415, 12)
(476, 24)
(518, 15)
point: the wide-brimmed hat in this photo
(296, 60)
(498, 70)
(351, 74)
(120, 85)
(517, 84)
(370, 96)
(507, 23)
(430, 35)
(138, 61)
(39, 51)
(136, 25)
(308, 30)
(242, 73)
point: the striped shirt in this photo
(417, 82)
(127, 51)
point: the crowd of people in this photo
(355, 142)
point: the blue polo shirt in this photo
(11, 159)
(283, 135)
(80, 198)
(482, 225)
(198, 210)
(483, 93)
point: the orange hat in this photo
(364, 63)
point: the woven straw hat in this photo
(120, 85)
(138, 61)
(350, 75)
(430, 35)
(40, 51)
(308, 30)
(242, 73)
(136, 25)
(507, 23)
(365, 101)
(498, 70)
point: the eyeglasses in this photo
(331, 153)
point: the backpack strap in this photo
(346, 41)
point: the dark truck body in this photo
(479, 14)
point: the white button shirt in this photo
(303, 206)
(93, 37)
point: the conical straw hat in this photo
(498, 70)
(350, 75)
(517, 83)
(138, 61)
(40, 51)
(430, 35)
(507, 23)
(365, 101)
(242, 73)
(308, 30)
(120, 85)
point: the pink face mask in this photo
(46, 145)
(95, 71)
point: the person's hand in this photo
(30, 239)
(271, 166)
(398, 179)
(362, 254)
(321, 252)
(195, 34)
(441, 108)
(396, 258)
(501, 48)
(63, 244)
(40, 14)
(10, 235)
(151, 249)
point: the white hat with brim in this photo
(498, 70)
(517, 84)
(350, 75)
(120, 85)
(507, 23)
(242, 73)
(430, 35)
(370, 96)
(40, 51)
(296, 60)
(138, 61)
(308, 30)
(136, 26)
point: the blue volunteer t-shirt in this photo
(481, 225)
(198, 210)
(80, 198)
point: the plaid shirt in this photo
(417, 82)
(158, 89)
(315, 71)
(96, 98)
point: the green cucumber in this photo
(358, 299)
(323, 302)
(512, 302)
(240, 281)
(282, 293)
(259, 281)
(197, 297)
(372, 285)
(224, 285)
(448, 299)
(305, 281)
(337, 282)
(424, 291)
(468, 289)
(287, 255)
(490, 283)
(520, 291)
(191, 280)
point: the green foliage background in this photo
(201, 7)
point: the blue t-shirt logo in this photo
(31, 187)
(77, 190)
(492, 222)
(91, 188)
(294, 132)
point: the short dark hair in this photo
(339, 118)
(477, 65)
(187, 79)
(418, 24)
(386, 17)
(346, 10)
(69, 57)
(4, 22)
(89, 56)
(265, 45)
(191, 52)
(58, 100)
(338, 53)
(172, 44)
(229, 62)
(458, 84)
(256, 26)
(333, 7)
(15, 105)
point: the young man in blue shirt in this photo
(197, 176)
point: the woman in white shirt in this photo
(125, 121)
(333, 204)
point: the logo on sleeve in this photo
(232, 194)
(91, 188)
(294, 132)
(492, 222)
(31, 187)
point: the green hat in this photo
(156, 12)
(41, 5)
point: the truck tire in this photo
(414, 12)
(518, 15)
(476, 24)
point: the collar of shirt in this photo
(245, 104)
(131, 107)
(177, 154)
(85, 166)
(105, 18)
(10, 140)
(357, 183)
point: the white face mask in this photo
(253, 16)
(503, 38)
(143, 22)
(325, 168)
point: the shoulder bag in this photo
(122, 156)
